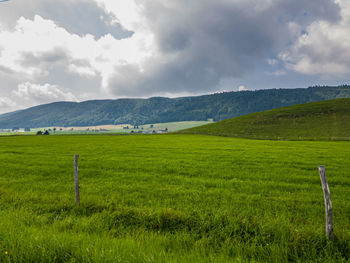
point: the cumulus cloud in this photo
(242, 88)
(76, 16)
(48, 45)
(324, 48)
(42, 93)
(277, 73)
(6, 103)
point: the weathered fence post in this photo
(327, 202)
(76, 179)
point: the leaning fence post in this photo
(76, 179)
(327, 202)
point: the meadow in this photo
(147, 128)
(171, 198)
(324, 120)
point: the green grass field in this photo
(171, 198)
(326, 120)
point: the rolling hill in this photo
(218, 106)
(319, 120)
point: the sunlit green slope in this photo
(318, 121)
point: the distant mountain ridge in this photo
(218, 106)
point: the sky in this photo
(76, 50)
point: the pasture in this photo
(103, 129)
(171, 198)
(324, 120)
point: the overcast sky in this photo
(77, 50)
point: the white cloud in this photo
(42, 93)
(42, 36)
(125, 12)
(272, 61)
(242, 88)
(6, 103)
(277, 73)
(324, 48)
(83, 71)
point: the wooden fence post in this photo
(327, 202)
(76, 179)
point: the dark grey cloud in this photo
(52, 57)
(203, 42)
(241, 26)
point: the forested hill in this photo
(156, 110)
